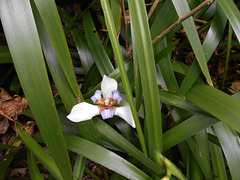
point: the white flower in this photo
(105, 105)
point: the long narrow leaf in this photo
(24, 45)
(83, 50)
(219, 104)
(110, 135)
(231, 11)
(41, 154)
(104, 157)
(99, 54)
(229, 141)
(33, 168)
(211, 41)
(119, 58)
(5, 161)
(50, 17)
(182, 9)
(187, 129)
(148, 77)
(218, 162)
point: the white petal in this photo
(83, 112)
(108, 85)
(125, 113)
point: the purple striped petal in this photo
(116, 96)
(97, 96)
(107, 113)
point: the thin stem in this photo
(153, 8)
(126, 25)
(181, 19)
(228, 53)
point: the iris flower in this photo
(105, 101)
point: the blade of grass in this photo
(50, 17)
(64, 89)
(104, 157)
(200, 155)
(116, 9)
(79, 167)
(5, 161)
(33, 168)
(24, 45)
(159, 47)
(219, 104)
(83, 50)
(182, 8)
(98, 52)
(211, 42)
(231, 11)
(148, 77)
(228, 54)
(229, 141)
(218, 162)
(193, 169)
(110, 135)
(119, 58)
(137, 79)
(186, 129)
(40, 154)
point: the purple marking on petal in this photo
(97, 96)
(116, 96)
(107, 113)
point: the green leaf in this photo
(99, 54)
(5, 146)
(186, 129)
(148, 77)
(123, 72)
(5, 161)
(229, 141)
(24, 45)
(79, 167)
(218, 162)
(182, 9)
(211, 42)
(179, 101)
(200, 155)
(231, 11)
(33, 168)
(64, 89)
(40, 154)
(116, 9)
(164, 62)
(51, 20)
(219, 104)
(104, 157)
(110, 135)
(83, 50)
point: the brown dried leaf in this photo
(4, 96)
(221, 68)
(10, 109)
(235, 87)
(29, 127)
(4, 124)
(20, 172)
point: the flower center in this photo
(106, 105)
